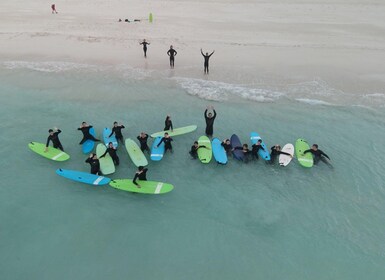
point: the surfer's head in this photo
(50, 131)
(166, 134)
(314, 147)
(140, 168)
(171, 47)
(84, 123)
(115, 123)
(110, 145)
(210, 115)
(196, 143)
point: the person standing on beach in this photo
(172, 53)
(168, 123)
(206, 64)
(53, 7)
(210, 121)
(144, 43)
(54, 137)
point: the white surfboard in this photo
(285, 159)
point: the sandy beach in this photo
(341, 43)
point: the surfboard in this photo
(176, 131)
(83, 177)
(52, 153)
(254, 137)
(218, 151)
(157, 152)
(107, 139)
(147, 187)
(205, 154)
(107, 165)
(306, 160)
(135, 153)
(89, 145)
(235, 142)
(284, 160)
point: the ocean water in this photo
(239, 221)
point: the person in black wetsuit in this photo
(168, 123)
(255, 148)
(143, 142)
(210, 121)
(246, 152)
(140, 175)
(227, 146)
(172, 53)
(144, 43)
(206, 64)
(111, 150)
(167, 142)
(94, 162)
(117, 129)
(194, 149)
(276, 151)
(317, 154)
(54, 137)
(85, 128)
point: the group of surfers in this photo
(209, 115)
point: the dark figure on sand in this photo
(206, 64)
(172, 53)
(53, 7)
(144, 43)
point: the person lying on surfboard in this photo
(255, 148)
(167, 142)
(317, 154)
(111, 150)
(168, 123)
(194, 149)
(94, 162)
(54, 137)
(227, 146)
(85, 129)
(143, 142)
(117, 129)
(276, 151)
(140, 175)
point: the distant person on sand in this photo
(144, 43)
(168, 123)
(94, 162)
(172, 53)
(206, 64)
(141, 175)
(210, 121)
(54, 137)
(53, 7)
(85, 128)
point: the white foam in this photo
(47, 66)
(313, 101)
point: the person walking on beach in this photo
(54, 137)
(210, 121)
(143, 142)
(144, 43)
(53, 7)
(140, 175)
(94, 162)
(172, 53)
(117, 129)
(168, 123)
(206, 64)
(85, 129)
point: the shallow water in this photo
(220, 222)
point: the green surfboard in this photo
(306, 160)
(176, 131)
(148, 187)
(106, 164)
(52, 153)
(135, 153)
(205, 153)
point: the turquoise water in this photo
(237, 221)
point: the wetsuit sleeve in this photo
(112, 132)
(48, 139)
(122, 126)
(211, 54)
(138, 138)
(283, 153)
(160, 142)
(202, 53)
(172, 128)
(88, 160)
(135, 178)
(215, 114)
(104, 153)
(58, 131)
(325, 155)
(79, 128)
(307, 151)
(205, 114)
(168, 52)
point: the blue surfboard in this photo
(83, 177)
(157, 152)
(88, 146)
(107, 139)
(254, 137)
(218, 151)
(235, 142)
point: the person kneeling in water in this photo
(111, 150)
(94, 162)
(194, 149)
(140, 175)
(317, 154)
(276, 151)
(167, 142)
(54, 137)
